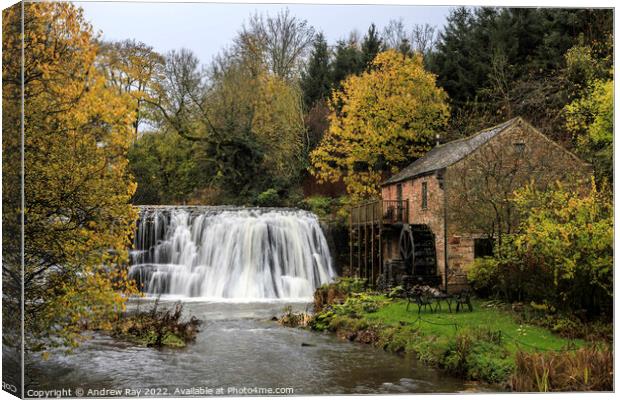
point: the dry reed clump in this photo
(586, 369)
(157, 328)
(292, 319)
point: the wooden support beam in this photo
(351, 242)
(365, 251)
(359, 252)
(372, 248)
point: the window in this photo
(519, 148)
(424, 195)
(483, 248)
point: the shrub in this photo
(319, 205)
(268, 198)
(562, 255)
(455, 358)
(321, 321)
(337, 292)
(484, 276)
(489, 362)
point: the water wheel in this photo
(416, 246)
(406, 246)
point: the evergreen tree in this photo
(316, 79)
(456, 70)
(371, 45)
(347, 61)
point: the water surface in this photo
(240, 347)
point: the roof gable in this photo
(449, 153)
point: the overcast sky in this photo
(207, 28)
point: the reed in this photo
(587, 369)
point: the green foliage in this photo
(591, 119)
(497, 63)
(351, 285)
(489, 362)
(533, 40)
(268, 198)
(371, 46)
(165, 168)
(562, 255)
(479, 345)
(316, 79)
(483, 276)
(321, 320)
(320, 205)
(347, 61)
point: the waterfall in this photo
(228, 253)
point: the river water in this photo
(238, 347)
(234, 269)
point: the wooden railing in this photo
(380, 212)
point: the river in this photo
(239, 347)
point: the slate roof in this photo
(449, 153)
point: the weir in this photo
(229, 253)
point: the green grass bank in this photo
(492, 344)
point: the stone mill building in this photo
(445, 209)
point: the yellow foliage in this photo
(77, 130)
(278, 123)
(380, 121)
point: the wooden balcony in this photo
(380, 212)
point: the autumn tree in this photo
(380, 121)
(246, 122)
(134, 68)
(561, 253)
(78, 220)
(12, 210)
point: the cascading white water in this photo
(219, 253)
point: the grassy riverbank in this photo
(490, 344)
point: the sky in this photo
(207, 28)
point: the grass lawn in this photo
(480, 345)
(445, 324)
(488, 344)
